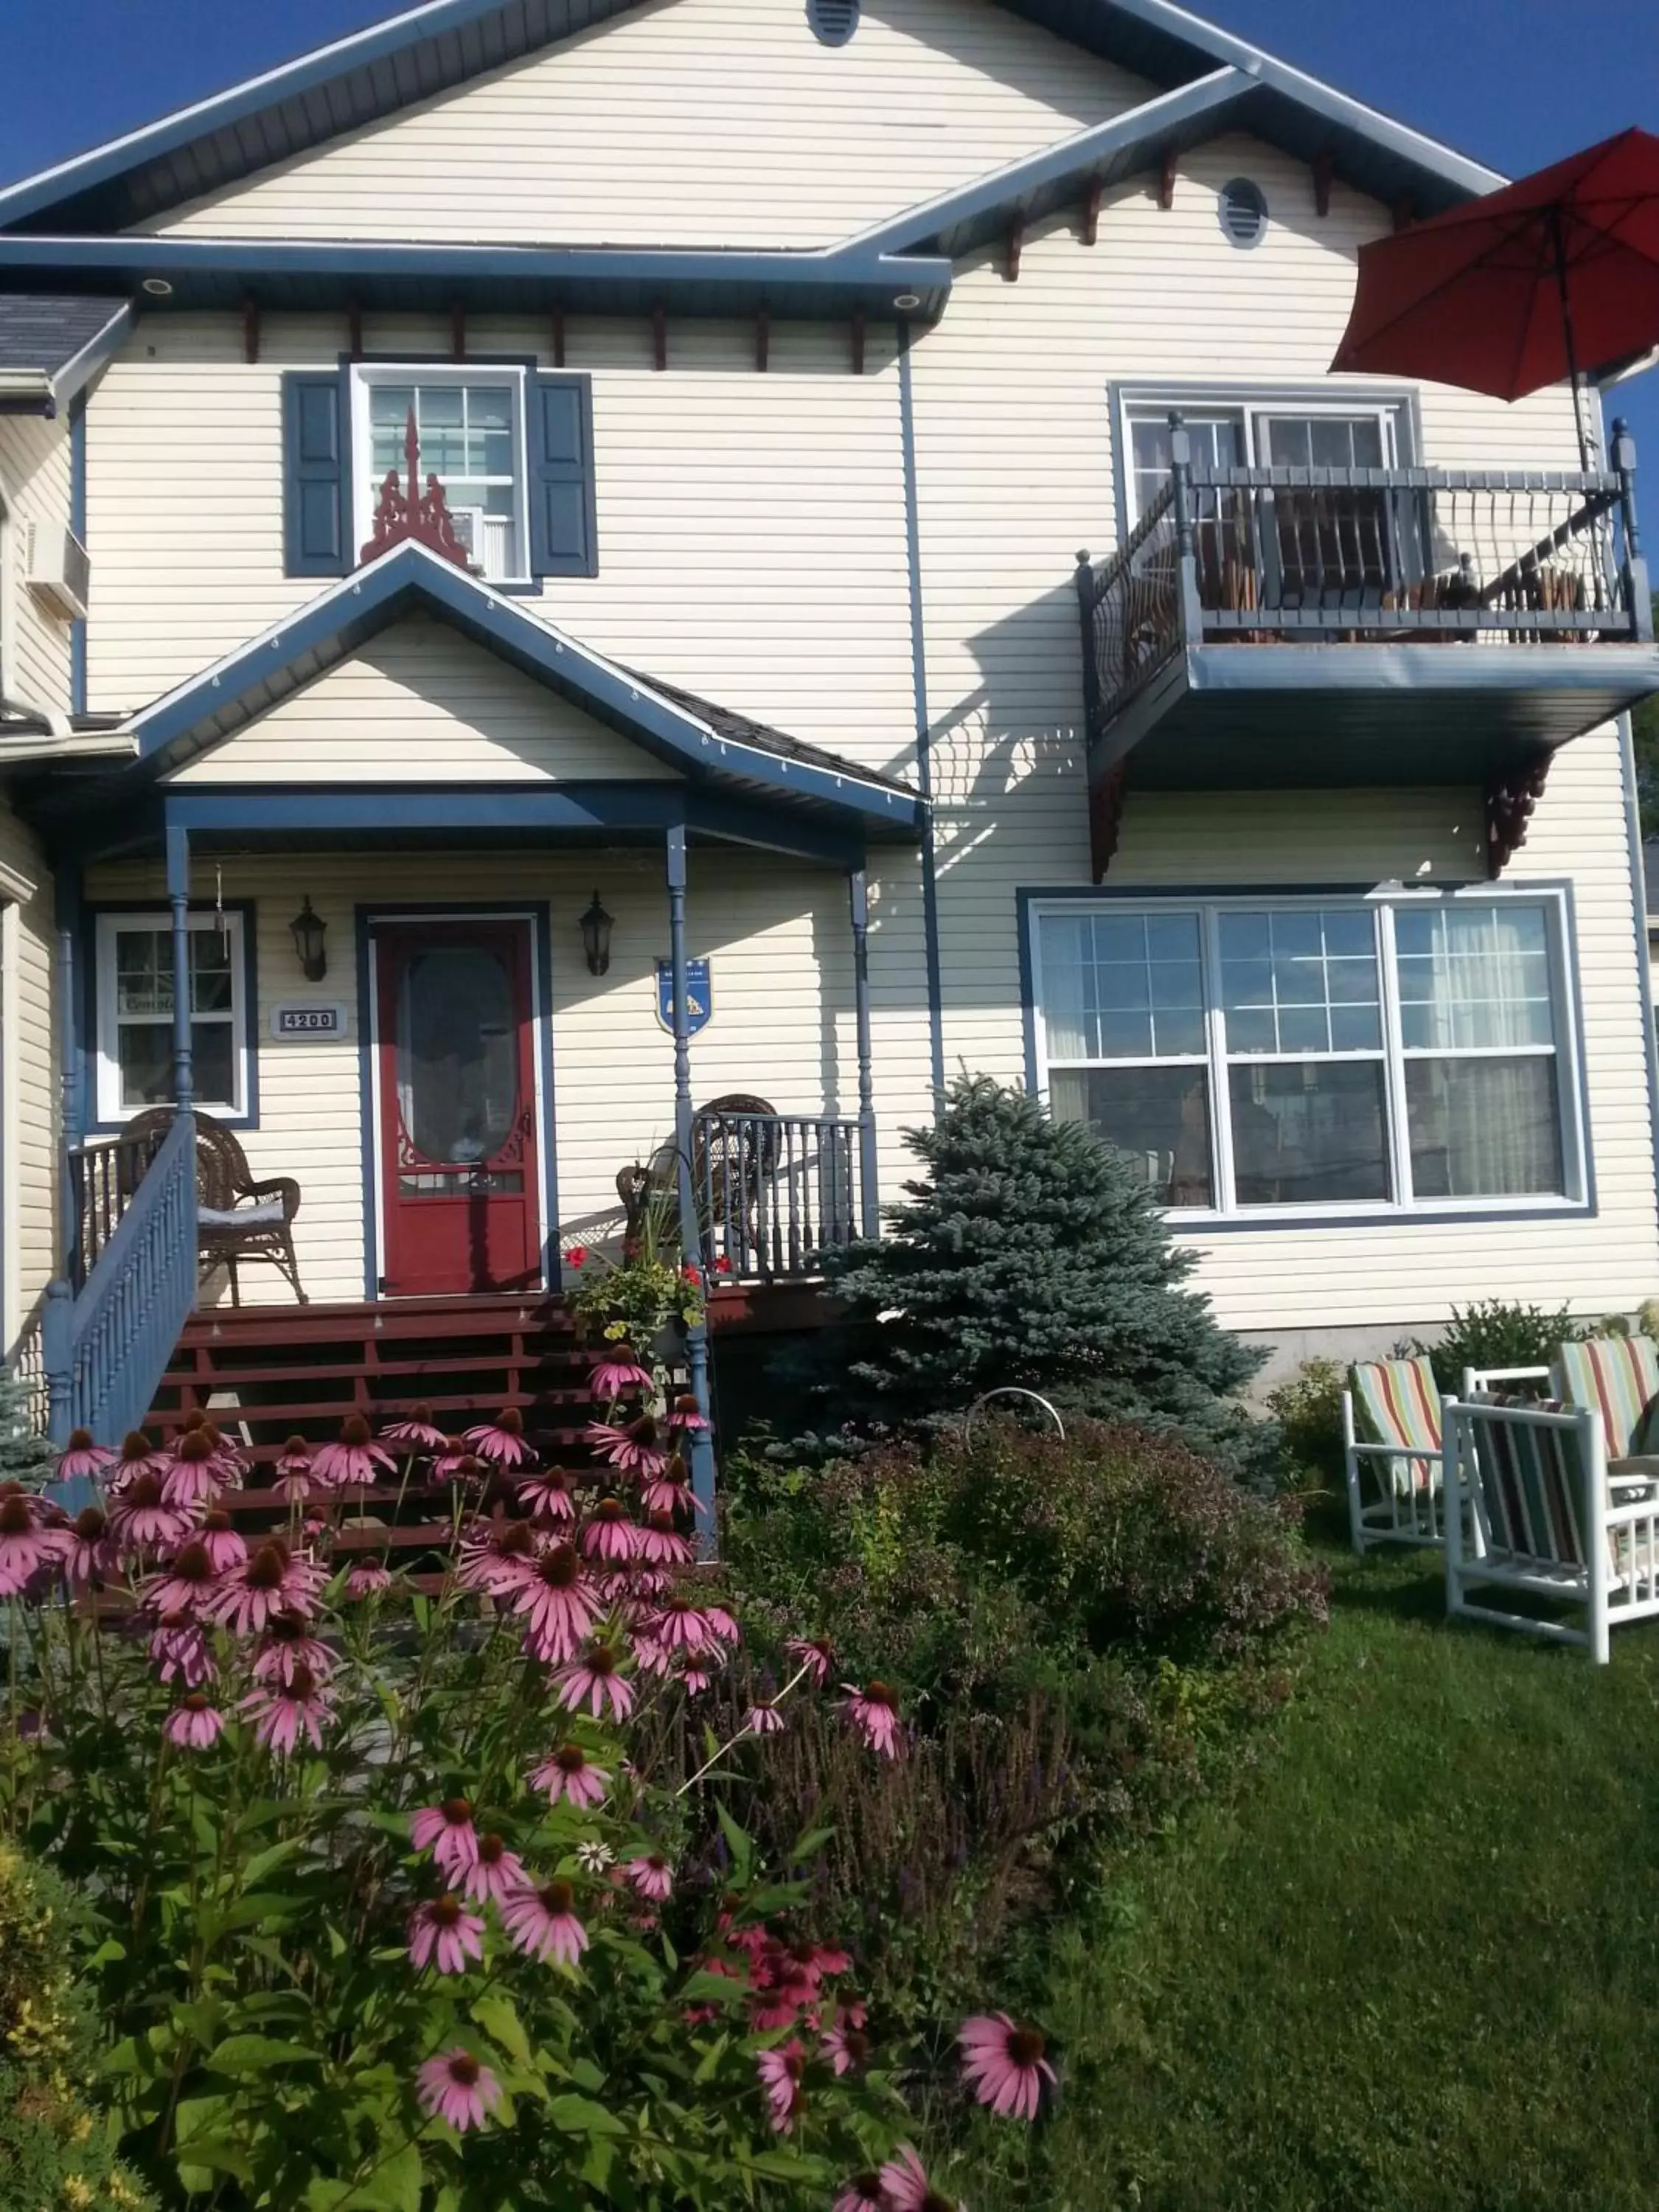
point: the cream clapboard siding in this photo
(35, 487)
(750, 527)
(28, 1082)
(695, 122)
(783, 1026)
(1015, 460)
(421, 704)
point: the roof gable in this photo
(432, 49)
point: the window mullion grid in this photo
(1221, 1128)
(1393, 1055)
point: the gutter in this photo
(26, 391)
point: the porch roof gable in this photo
(707, 743)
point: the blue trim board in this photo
(538, 915)
(87, 946)
(924, 730)
(201, 712)
(1642, 920)
(1147, 894)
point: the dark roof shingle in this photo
(38, 331)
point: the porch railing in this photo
(106, 1342)
(1362, 556)
(105, 1176)
(776, 1191)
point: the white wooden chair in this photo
(1397, 1402)
(1529, 1506)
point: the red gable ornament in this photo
(417, 514)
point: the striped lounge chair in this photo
(1529, 1507)
(1619, 1376)
(1391, 1435)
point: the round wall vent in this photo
(1243, 209)
(833, 22)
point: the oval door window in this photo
(458, 1071)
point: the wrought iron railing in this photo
(774, 1192)
(105, 1175)
(105, 1344)
(1368, 556)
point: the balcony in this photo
(1282, 627)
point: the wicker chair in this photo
(237, 1219)
(727, 1179)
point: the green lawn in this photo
(1413, 1964)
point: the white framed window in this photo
(134, 1002)
(1301, 1057)
(1320, 431)
(469, 420)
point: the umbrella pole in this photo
(1567, 333)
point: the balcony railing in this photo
(1286, 556)
(774, 1192)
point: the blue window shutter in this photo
(563, 538)
(316, 499)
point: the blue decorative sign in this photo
(699, 995)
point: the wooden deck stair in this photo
(266, 1373)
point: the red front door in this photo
(459, 1183)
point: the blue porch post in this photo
(696, 1340)
(66, 898)
(858, 891)
(184, 1080)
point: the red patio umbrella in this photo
(1550, 278)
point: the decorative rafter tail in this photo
(1105, 819)
(1509, 813)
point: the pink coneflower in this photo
(180, 1651)
(687, 1414)
(137, 1456)
(446, 1830)
(635, 1447)
(864, 2193)
(495, 1874)
(225, 1547)
(721, 1625)
(905, 2181)
(660, 1543)
(650, 1876)
(457, 1466)
(667, 1494)
(847, 2049)
(192, 1476)
(368, 1578)
(1004, 2065)
(270, 1581)
(764, 1718)
(27, 1543)
(572, 1774)
(195, 1723)
(417, 1431)
(544, 1925)
(141, 1515)
(679, 1626)
(594, 1681)
(555, 1596)
(780, 2071)
(873, 1712)
(89, 1553)
(497, 1557)
(288, 1646)
(608, 1534)
(226, 1456)
(694, 1681)
(546, 1497)
(652, 1657)
(442, 1932)
(502, 1441)
(83, 1457)
(454, 2087)
(283, 1713)
(617, 1374)
(293, 1470)
(817, 1654)
(354, 1459)
(186, 1583)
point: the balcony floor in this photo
(1250, 717)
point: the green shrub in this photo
(1496, 1333)
(1030, 1256)
(1307, 1408)
(56, 2154)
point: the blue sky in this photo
(1515, 82)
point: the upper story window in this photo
(1318, 1055)
(135, 1003)
(1298, 435)
(471, 427)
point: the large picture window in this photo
(135, 1003)
(1310, 1054)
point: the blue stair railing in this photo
(106, 1342)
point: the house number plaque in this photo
(308, 1020)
